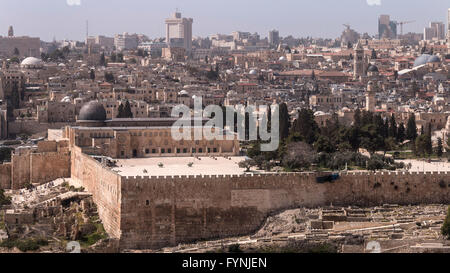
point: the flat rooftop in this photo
(179, 166)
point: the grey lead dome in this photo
(92, 111)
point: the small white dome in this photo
(253, 72)
(32, 62)
(183, 93)
(282, 58)
(66, 99)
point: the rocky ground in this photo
(388, 228)
(48, 217)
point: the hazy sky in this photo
(66, 19)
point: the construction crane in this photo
(403, 23)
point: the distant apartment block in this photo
(179, 31)
(386, 27)
(25, 46)
(126, 41)
(436, 31)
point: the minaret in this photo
(11, 31)
(359, 62)
(370, 97)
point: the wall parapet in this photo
(290, 174)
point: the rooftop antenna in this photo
(87, 29)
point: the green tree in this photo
(299, 155)
(284, 121)
(44, 56)
(113, 57)
(92, 74)
(212, 75)
(421, 145)
(374, 54)
(428, 142)
(393, 127)
(401, 133)
(357, 118)
(306, 126)
(102, 59)
(247, 164)
(127, 110)
(4, 200)
(14, 59)
(109, 77)
(120, 113)
(439, 148)
(120, 57)
(411, 129)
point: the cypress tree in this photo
(127, 110)
(120, 111)
(401, 133)
(393, 128)
(284, 121)
(439, 148)
(411, 129)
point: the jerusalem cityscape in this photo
(234, 128)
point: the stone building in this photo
(371, 101)
(12, 86)
(359, 62)
(26, 46)
(140, 138)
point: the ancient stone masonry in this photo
(153, 212)
(5, 176)
(49, 161)
(103, 184)
(158, 211)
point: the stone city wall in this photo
(46, 167)
(5, 176)
(104, 185)
(154, 212)
(20, 170)
(163, 211)
(32, 127)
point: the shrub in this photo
(446, 225)
(25, 245)
(4, 200)
(236, 248)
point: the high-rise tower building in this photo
(359, 62)
(179, 32)
(386, 27)
(11, 31)
(436, 30)
(448, 25)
